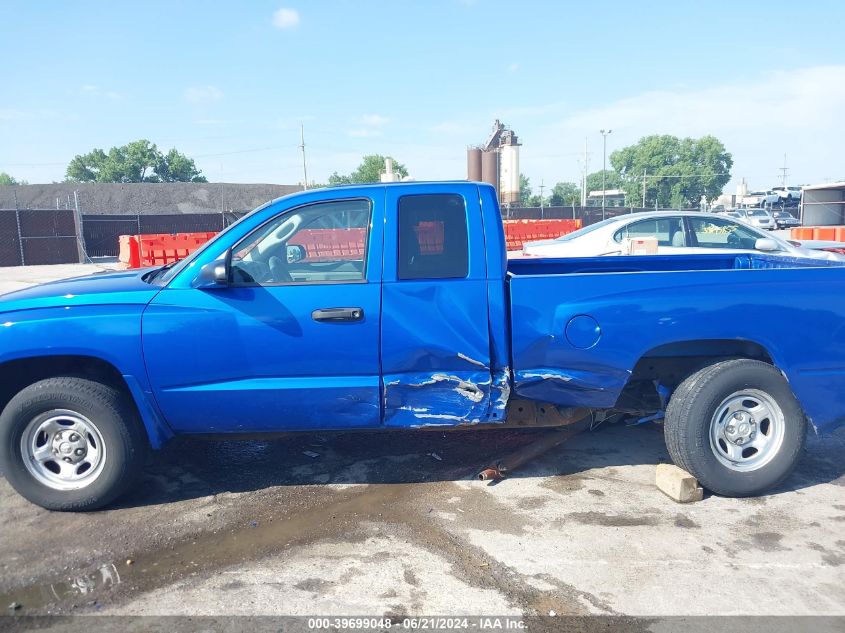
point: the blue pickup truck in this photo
(393, 306)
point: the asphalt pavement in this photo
(395, 523)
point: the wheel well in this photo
(668, 365)
(15, 375)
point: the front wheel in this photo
(69, 443)
(736, 426)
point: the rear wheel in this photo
(70, 443)
(735, 426)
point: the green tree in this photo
(612, 180)
(678, 171)
(565, 194)
(138, 161)
(6, 179)
(369, 170)
(525, 191)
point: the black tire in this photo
(115, 418)
(695, 403)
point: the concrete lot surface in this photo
(394, 523)
(18, 277)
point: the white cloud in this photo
(374, 120)
(202, 94)
(363, 133)
(788, 99)
(11, 114)
(797, 112)
(368, 126)
(286, 18)
(453, 128)
(292, 122)
(96, 91)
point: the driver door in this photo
(291, 343)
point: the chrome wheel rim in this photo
(63, 449)
(747, 430)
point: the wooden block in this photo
(678, 484)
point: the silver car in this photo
(676, 233)
(759, 218)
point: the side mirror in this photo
(296, 253)
(766, 244)
(213, 275)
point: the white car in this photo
(759, 218)
(788, 195)
(685, 233)
(760, 199)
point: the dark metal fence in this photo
(101, 232)
(37, 236)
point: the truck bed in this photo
(580, 326)
(658, 263)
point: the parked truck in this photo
(393, 306)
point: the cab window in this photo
(318, 243)
(432, 237)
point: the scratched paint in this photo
(471, 360)
(415, 399)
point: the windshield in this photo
(757, 213)
(585, 230)
(179, 266)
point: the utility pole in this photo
(604, 134)
(302, 147)
(542, 187)
(644, 174)
(584, 176)
(784, 172)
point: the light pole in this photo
(604, 134)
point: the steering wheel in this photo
(279, 269)
(734, 241)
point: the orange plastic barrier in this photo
(129, 253)
(802, 233)
(517, 232)
(137, 251)
(827, 233)
(824, 233)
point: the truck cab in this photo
(357, 307)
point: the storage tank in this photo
(509, 181)
(490, 168)
(474, 164)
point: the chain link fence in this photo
(38, 236)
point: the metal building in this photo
(823, 205)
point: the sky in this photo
(230, 83)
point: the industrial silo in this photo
(474, 164)
(509, 181)
(490, 168)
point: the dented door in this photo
(435, 340)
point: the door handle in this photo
(338, 314)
